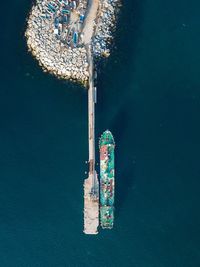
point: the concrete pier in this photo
(91, 184)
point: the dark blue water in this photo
(149, 97)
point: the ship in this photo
(107, 179)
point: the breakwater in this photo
(58, 32)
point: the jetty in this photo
(91, 184)
(65, 37)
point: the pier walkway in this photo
(91, 184)
(89, 23)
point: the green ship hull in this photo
(107, 179)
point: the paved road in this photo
(91, 15)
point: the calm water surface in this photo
(149, 97)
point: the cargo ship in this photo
(107, 179)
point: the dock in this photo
(91, 184)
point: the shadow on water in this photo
(126, 40)
(115, 79)
(116, 74)
(127, 34)
(123, 159)
(129, 28)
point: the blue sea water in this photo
(149, 97)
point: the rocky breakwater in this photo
(56, 35)
(64, 61)
(104, 26)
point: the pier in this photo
(91, 184)
(64, 36)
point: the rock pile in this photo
(105, 24)
(59, 59)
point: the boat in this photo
(75, 38)
(107, 179)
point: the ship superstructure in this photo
(107, 179)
